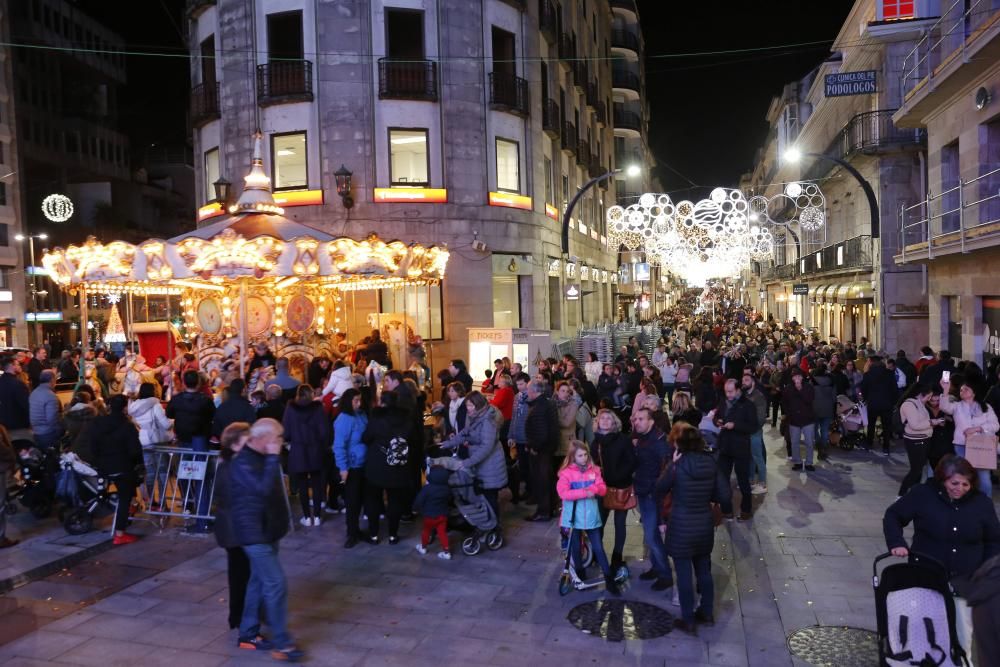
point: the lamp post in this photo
(794, 155)
(631, 171)
(34, 283)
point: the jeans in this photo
(649, 512)
(823, 430)
(596, 546)
(759, 464)
(200, 490)
(238, 573)
(886, 428)
(775, 408)
(702, 567)
(154, 476)
(524, 466)
(396, 507)
(620, 517)
(985, 483)
(541, 483)
(727, 463)
(799, 433)
(353, 489)
(669, 391)
(46, 441)
(916, 452)
(267, 590)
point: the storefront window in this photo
(506, 303)
(288, 154)
(422, 304)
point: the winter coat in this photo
(224, 534)
(797, 404)
(465, 379)
(114, 441)
(486, 461)
(567, 424)
(592, 369)
(743, 415)
(705, 396)
(234, 409)
(984, 598)
(192, 412)
(455, 416)
(579, 490)
(348, 447)
(14, 408)
(503, 400)
(651, 454)
(824, 396)
(339, 382)
(916, 420)
(78, 418)
(878, 387)
(694, 482)
(584, 424)
(45, 411)
(615, 454)
(542, 426)
(606, 385)
(307, 429)
(960, 534)
(255, 506)
(384, 425)
(968, 416)
(432, 500)
(148, 415)
(519, 418)
(761, 403)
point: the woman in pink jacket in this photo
(580, 485)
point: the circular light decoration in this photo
(57, 208)
(793, 189)
(811, 218)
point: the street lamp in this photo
(793, 155)
(631, 171)
(34, 280)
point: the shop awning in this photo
(855, 292)
(830, 293)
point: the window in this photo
(404, 34)
(4, 240)
(288, 155)
(284, 36)
(550, 196)
(207, 61)
(506, 302)
(409, 162)
(422, 304)
(211, 172)
(3, 194)
(555, 304)
(504, 54)
(2, 161)
(508, 171)
(893, 10)
(950, 186)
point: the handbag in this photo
(620, 499)
(981, 451)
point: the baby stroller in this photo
(467, 494)
(37, 488)
(849, 423)
(85, 492)
(915, 613)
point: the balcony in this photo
(284, 81)
(626, 158)
(625, 79)
(854, 255)
(194, 8)
(204, 103)
(600, 113)
(567, 49)
(593, 94)
(869, 133)
(583, 152)
(407, 80)
(551, 119)
(595, 168)
(627, 120)
(509, 93)
(626, 198)
(625, 38)
(547, 21)
(569, 137)
(581, 72)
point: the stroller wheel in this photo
(78, 521)
(565, 584)
(41, 509)
(494, 540)
(471, 546)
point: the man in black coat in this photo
(736, 418)
(542, 431)
(192, 412)
(878, 388)
(377, 350)
(14, 411)
(39, 362)
(236, 408)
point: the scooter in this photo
(570, 580)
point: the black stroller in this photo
(37, 487)
(915, 613)
(466, 492)
(85, 493)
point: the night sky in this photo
(707, 112)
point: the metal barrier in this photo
(180, 482)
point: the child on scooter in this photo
(579, 486)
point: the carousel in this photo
(254, 277)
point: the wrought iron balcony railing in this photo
(204, 103)
(625, 38)
(407, 79)
(569, 137)
(622, 77)
(551, 119)
(282, 81)
(547, 23)
(509, 93)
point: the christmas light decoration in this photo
(57, 208)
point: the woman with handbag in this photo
(118, 457)
(154, 430)
(614, 453)
(973, 418)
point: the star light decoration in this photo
(714, 237)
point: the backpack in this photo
(398, 452)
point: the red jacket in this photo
(503, 399)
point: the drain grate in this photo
(829, 646)
(616, 620)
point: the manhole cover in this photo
(615, 620)
(835, 646)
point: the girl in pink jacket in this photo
(580, 485)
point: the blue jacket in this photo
(517, 432)
(348, 448)
(432, 501)
(260, 516)
(651, 454)
(45, 411)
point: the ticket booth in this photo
(522, 346)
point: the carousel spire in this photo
(256, 196)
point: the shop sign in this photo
(508, 200)
(490, 335)
(573, 292)
(843, 84)
(902, 311)
(642, 272)
(800, 289)
(6, 295)
(44, 316)
(554, 267)
(411, 195)
(210, 211)
(299, 198)
(552, 212)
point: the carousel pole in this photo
(244, 316)
(84, 342)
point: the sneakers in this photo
(350, 543)
(421, 549)
(316, 521)
(662, 584)
(7, 543)
(744, 516)
(810, 468)
(258, 643)
(121, 539)
(306, 521)
(393, 539)
(444, 555)
(648, 575)
(759, 489)
(703, 618)
(288, 654)
(797, 466)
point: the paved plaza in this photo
(804, 560)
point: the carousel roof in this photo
(252, 225)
